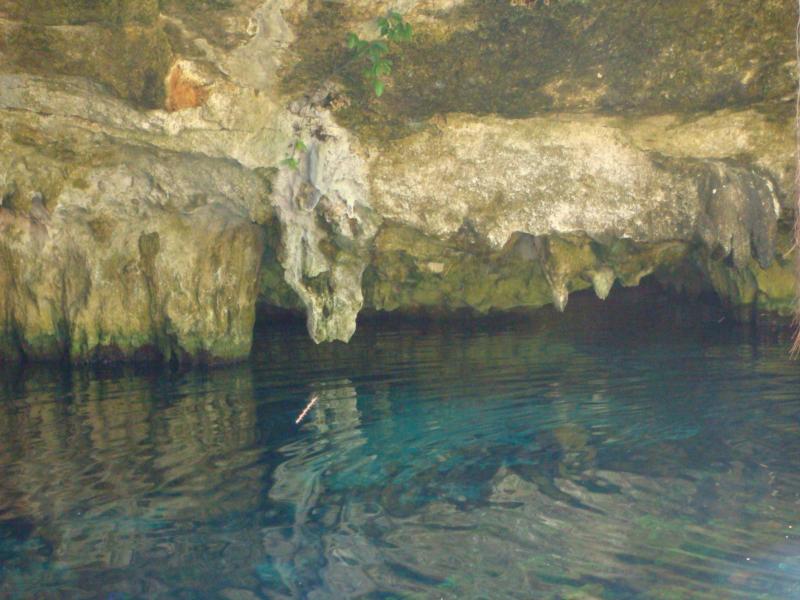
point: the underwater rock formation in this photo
(167, 166)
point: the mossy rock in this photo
(777, 286)
(132, 60)
(752, 286)
(413, 273)
(221, 22)
(79, 12)
(517, 61)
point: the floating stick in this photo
(311, 402)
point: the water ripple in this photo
(603, 456)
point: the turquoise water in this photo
(625, 450)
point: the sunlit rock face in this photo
(153, 191)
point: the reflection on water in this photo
(107, 474)
(626, 452)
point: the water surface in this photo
(627, 450)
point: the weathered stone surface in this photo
(327, 224)
(117, 268)
(326, 221)
(547, 180)
(538, 176)
(75, 12)
(186, 87)
(167, 165)
(526, 59)
(229, 122)
(132, 60)
(560, 173)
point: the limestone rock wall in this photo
(168, 165)
(137, 259)
(596, 178)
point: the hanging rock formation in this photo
(567, 175)
(327, 225)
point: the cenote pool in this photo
(638, 448)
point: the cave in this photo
(398, 299)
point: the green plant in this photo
(392, 28)
(290, 160)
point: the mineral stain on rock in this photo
(185, 89)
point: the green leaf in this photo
(392, 28)
(383, 26)
(300, 146)
(291, 162)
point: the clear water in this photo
(627, 451)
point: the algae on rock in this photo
(519, 61)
